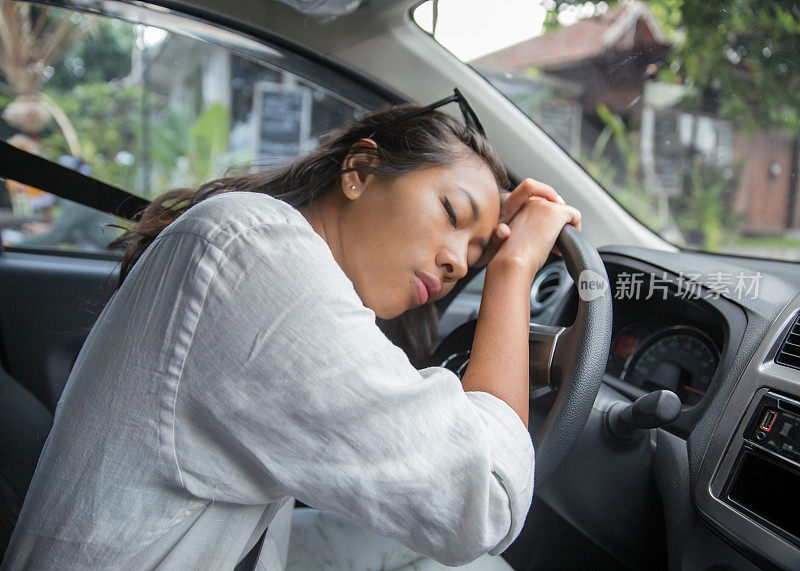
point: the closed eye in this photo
(450, 212)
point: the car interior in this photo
(665, 381)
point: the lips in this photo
(427, 286)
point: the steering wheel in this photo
(571, 359)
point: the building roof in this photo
(625, 28)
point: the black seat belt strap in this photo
(38, 172)
(248, 562)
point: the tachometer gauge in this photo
(681, 359)
(625, 343)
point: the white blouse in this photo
(237, 368)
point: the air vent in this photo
(548, 287)
(549, 282)
(789, 355)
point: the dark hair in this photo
(434, 138)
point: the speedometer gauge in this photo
(680, 359)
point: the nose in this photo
(454, 263)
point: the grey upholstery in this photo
(23, 430)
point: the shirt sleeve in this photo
(289, 388)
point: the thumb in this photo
(500, 234)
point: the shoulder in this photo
(238, 235)
(221, 219)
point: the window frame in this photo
(259, 46)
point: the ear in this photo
(363, 154)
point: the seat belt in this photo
(248, 562)
(33, 170)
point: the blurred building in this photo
(562, 77)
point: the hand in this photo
(512, 203)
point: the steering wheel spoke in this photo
(542, 341)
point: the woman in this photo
(238, 365)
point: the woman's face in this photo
(405, 241)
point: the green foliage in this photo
(168, 144)
(6, 130)
(627, 142)
(743, 56)
(189, 152)
(107, 117)
(208, 141)
(668, 14)
(102, 55)
(742, 59)
(703, 210)
(91, 86)
(599, 163)
(551, 17)
(624, 185)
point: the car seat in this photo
(23, 431)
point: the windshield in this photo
(686, 111)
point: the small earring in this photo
(353, 188)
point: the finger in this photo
(516, 200)
(500, 234)
(540, 189)
(571, 215)
(574, 216)
(526, 190)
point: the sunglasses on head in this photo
(470, 118)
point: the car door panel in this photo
(48, 303)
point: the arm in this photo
(498, 362)
(289, 388)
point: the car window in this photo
(687, 113)
(147, 108)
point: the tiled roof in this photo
(625, 27)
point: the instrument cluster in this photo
(654, 356)
(665, 341)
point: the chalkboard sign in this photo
(661, 151)
(668, 154)
(283, 120)
(561, 120)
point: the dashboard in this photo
(668, 332)
(717, 487)
(722, 487)
(665, 355)
(675, 328)
(662, 340)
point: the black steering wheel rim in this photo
(570, 359)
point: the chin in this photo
(384, 306)
(387, 310)
(389, 313)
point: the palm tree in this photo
(32, 41)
